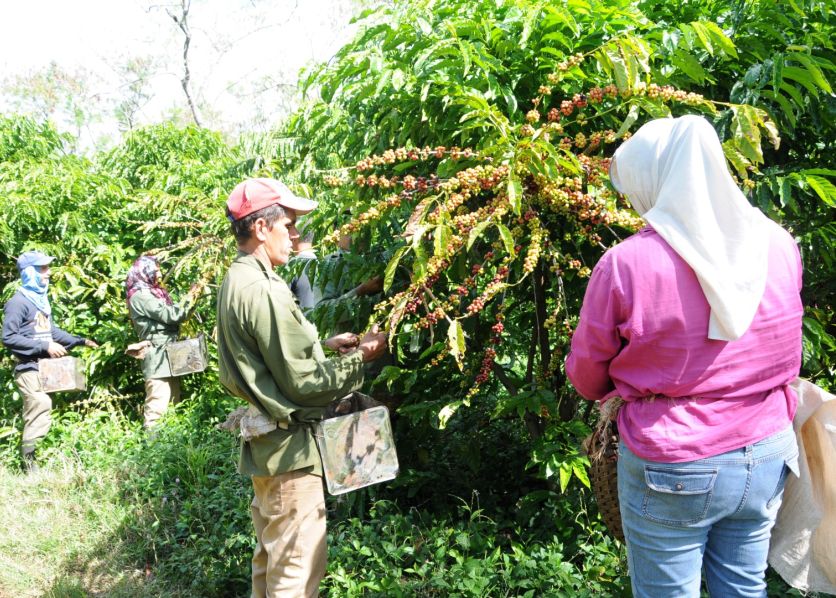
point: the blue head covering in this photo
(34, 288)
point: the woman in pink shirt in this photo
(695, 323)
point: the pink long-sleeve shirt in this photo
(642, 336)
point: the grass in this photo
(62, 535)
(71, 529)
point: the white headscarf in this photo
(674, 173)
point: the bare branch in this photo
(182, 21)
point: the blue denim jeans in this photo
(713, 514)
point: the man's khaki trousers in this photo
(159, 392)
(289, 518)
(37, 408)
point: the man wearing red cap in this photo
(271, 356)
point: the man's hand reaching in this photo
(343, 343)
(369, 287)
(373, 344)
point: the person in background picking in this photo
(28, 332)
(337, 291)
(694, 323)
(271, 356)
(338, 298)
(310, 295)
(301, 286)
(155, 319)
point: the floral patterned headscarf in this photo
(143, 275)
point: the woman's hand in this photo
(89, 342)
(194, 292)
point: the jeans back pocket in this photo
(677, 496)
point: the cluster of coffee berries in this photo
(562, 67)
(495, 209)
(488, 359)
(496, 284)
(668, 93)
(487, 365)
(370, 215)
(535, 244)
(482, 177)
(411, 298)
(409, 182)
(567, 328)
(442, 308)
(331, 180)
(559, 262)
(431, 318)
(554, 114)
(595, 95)
(477, 178)
(627, 219)
(439, 358)
(468, 182)
(544, 375)
(401, 154)
(551, 321)
(485, 369)
(565, 198)
(419, 184)
(596, 167)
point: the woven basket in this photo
(602, 448)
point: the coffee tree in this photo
(481, 135)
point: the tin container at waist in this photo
(187, 356)
(61, 374)
(357, 450)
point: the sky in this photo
(245, 55)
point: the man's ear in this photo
(260, 229)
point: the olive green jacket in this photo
(271, 356)
(158, 322)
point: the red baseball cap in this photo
(254, 194)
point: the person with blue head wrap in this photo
(28, 332)
(34, 286)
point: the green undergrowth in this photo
(114, 512)
(397, 553)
